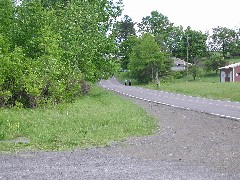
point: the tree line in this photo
(50, 49)
(173, 41)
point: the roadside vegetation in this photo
(95, 120)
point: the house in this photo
(178, 64)
(230, 73)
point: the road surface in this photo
(220, 108)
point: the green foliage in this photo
(126, 48)
(94, 120)
(226, 41)
(214, 62)
(124, 29)
(125, 39)
(156, 24)
(196, 71)
(6, 16)
(146, 59)
(49, 49)
(192, 44)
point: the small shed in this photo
(230, 73)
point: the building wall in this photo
(237, 74)
(227, 75)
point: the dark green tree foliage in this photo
(158, 25)
(226, 41)
(124, 29)
(195, 41)
(126, 48)
(215, 62)
(47, 54)
(125, 39)
(146, 60)
(175, 38)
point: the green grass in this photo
(94, 120)
(234, 60)
(208, 86)
(223, 91)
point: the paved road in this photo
(225, 109)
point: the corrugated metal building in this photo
(230, 73)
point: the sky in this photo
(200, 15)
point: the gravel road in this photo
(187, 145)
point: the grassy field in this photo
(208, 86)
(94, 120)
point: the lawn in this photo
(208, 86)
(94, 120)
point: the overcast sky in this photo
(199, 14)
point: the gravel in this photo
(187, 145)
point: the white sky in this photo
(199, 14)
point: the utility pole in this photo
(187, 53)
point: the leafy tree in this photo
(83, 28)
(6, 16)
(195, 41)
(235, 44)
(146, 59)
(158, 25)
(223, 40)
(214, 62)
(195, 69)
(125, 28)
(125, 39)
(47, 53)
(175, 41)
(126, 48)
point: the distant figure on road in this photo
(129, 83)
(125, 82)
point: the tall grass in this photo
(94, 120)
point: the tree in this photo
(158, 25)
(223, 39)
(146, 59)
(214, 62)
(125, 28)
(195, 69)
(84, 27)
(175, 41)
(126, 48)
(193, 44)
(125, 39)
(47, 53)
(6, 16)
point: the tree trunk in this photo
(157, 78)
(152, 74)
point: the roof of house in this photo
(230, 66)
(178, 61)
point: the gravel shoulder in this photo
(189, 137)
(187, 145)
